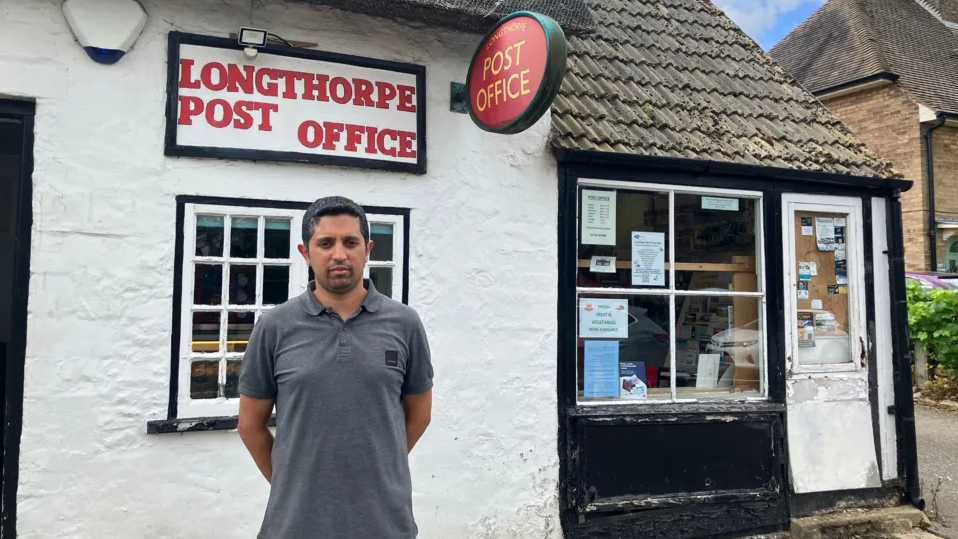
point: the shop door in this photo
(16, 136)
(831, 443)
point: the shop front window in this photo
(239, 262)
(670, 294)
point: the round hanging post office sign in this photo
(516, 72)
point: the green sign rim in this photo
(553, 73)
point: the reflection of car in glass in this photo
(741, 351)
(929, 280)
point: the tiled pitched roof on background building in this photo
(677, 78)
(847, 40)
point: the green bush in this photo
(933, 323)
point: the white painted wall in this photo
(482, 272)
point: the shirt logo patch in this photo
(392, 358)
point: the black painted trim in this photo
(175, 335)
(868, 235)
(199, 424)
(802, 505)
(650, 412)
(173, 149)
(565, 371)
(702, 167)
(16, 357)
(679, 500)
(881, 75)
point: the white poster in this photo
(717, 203)
(598, 217)
(825, 229)
(648, 259)
(707, 375)
(603, 318)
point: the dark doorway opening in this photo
(16, 195)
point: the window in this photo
(670, 294)
(239, 262)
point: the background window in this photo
(670, 296)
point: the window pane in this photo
(276, 237)
(231, 391)
(238, 330)
(243, 237)
(275, 284)
(718, 347)
(614, 226)
(382, 279)
(208, 284)
(209, 235)
(382, 236)
(622, 348)
(242, 285)
(821, 280)
(204, 379)
(206, 331)
(715, 246)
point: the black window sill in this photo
(196, 424)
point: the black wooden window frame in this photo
(173, 423)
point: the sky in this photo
(768, 21)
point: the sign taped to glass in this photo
(516, 72)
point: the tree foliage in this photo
(933, 322)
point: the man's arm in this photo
(254, 417)
(418, 410)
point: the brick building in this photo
(887, 69)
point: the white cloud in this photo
(757, 17)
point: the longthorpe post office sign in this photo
(293, 105)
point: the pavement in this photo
(937, 434)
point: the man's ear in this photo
(304, 251)
(369, 249)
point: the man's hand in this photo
(254, 417)
(418, 410)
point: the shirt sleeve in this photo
(419, 372)
(257, 375)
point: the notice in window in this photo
(632, 382)
(825, 229)
(602, 264)
(603, 318)
(601, 368)
(806, 329)
(807, 226)
(648, 259)
(598, 217)
(717, 203)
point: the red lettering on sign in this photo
(314, 87)
(354, 136)
(386, 92)
(268, 88)
(364, 93)
(240, 79)
(371, 139)
(381, 142)
(508, 71)
(333, 131)
(189, 107)
(406, 94)
(340, 90)
(186, 75)
(244, 120)
(207, 76)
(406, 139)
(266, 109)
(225, 118)
(289, 79)
(310, 134)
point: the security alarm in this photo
(106, 29)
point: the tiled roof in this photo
(677, 78)
(470, 15)
(847, 40)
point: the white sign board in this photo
(314, 107)
(648, 259)
(598, 217)
(603, 318)
(717, 203)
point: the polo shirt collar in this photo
(311, 305)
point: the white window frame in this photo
(396, 263)
(855, 264)
(672, 293)
(222, 406)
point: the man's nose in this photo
(339, 252)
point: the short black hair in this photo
(333, 205)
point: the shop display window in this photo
(670, 294)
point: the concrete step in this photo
(905, 521)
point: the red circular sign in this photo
(507, 72)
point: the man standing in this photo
(350, 373)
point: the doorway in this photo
(830, 431)
(16, 195)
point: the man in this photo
(350, 373)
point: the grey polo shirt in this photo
(340, 466)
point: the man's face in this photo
(337, 253)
